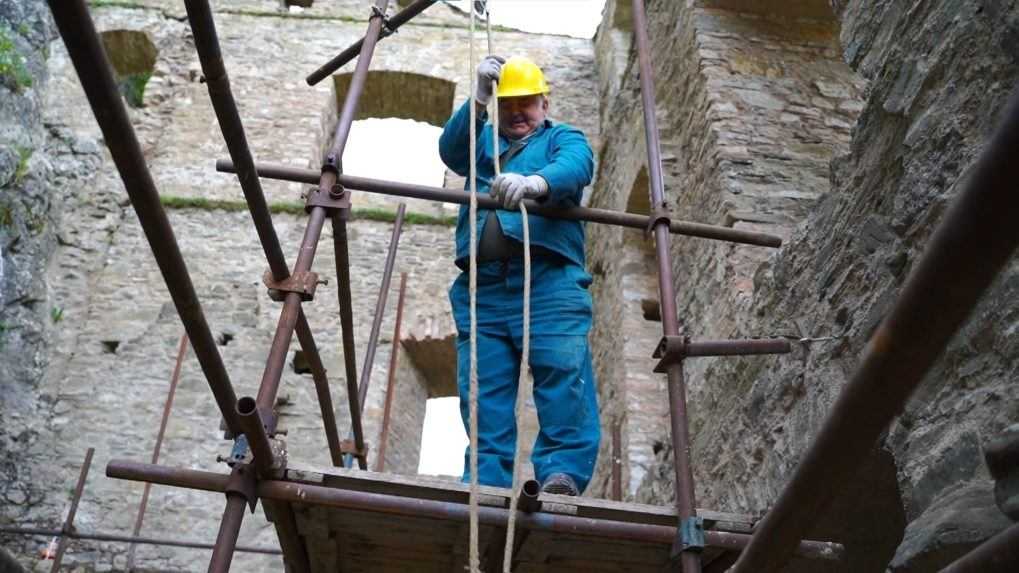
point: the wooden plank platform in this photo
(358, 541)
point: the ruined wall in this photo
(756, 111)
(96, 336)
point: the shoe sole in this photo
(557, 489)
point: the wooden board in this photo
(339, 540)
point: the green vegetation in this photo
(297, 208)
(6, 216)
(12, 64)
(24, 154)
(57, 314)
(133, 88)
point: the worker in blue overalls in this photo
(550, 163)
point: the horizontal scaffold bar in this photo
(631, 220)
(130, 539)
(451, 511)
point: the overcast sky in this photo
(578, 18)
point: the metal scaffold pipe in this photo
(689, 557)
(391, 26)
(604, 216)
(327, 181)
(975, 239)
(445, 510)
(93, 68)
(203, 27)
(380, 311)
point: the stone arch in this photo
(812, 9)
(133, 54)
(639, 200)
(403, 95)
(389, 94)
(622, 15)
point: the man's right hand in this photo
(489, 70)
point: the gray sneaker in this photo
(560, 484)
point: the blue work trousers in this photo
(560, 360)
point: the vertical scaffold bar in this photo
(685, 501)
(394, 360)
(68, 527)
(380, 312)
(167, 406)
(975, 239)
(342, 256)
(203, 27)
(96, 76)
(330, 171)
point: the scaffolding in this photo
(560, 534)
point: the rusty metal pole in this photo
(132, 539)
(68, 526)
(999, 554)
(351, 52)
(203, 27)
(394, 355)
(229, 530)
(976, 237)
(181, 353)
(689, 558)
(327, 180)
(380, 306)
(93, 68)
(617, 462)
(386, 504)
(380, 312)
(603, 216)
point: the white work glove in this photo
(489, 70)
(511, 188)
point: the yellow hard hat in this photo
(521, 77)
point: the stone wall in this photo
(95, 335)
(765, 128)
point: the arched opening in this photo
(133, 57)
(813, 9)
(395, 134)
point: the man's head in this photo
(521, 115)
(523, 97)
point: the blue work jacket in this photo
(557, 152)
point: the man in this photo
(550, 163)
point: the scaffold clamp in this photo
(659, 214)
(242, 482)
(670, 350)
(350, 447)
(301, 282)
(335, 198)
(689, 536)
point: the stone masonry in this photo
(843, 126)
(102, 333)
(764, 127)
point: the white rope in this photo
(475, 560)
(518, 407)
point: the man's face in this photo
(519, 116)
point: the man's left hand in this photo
(511, 188)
